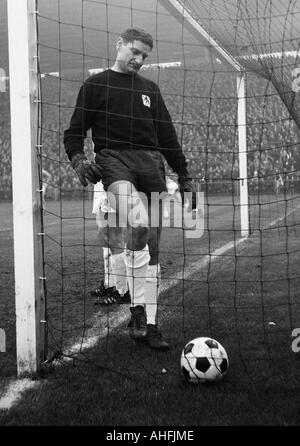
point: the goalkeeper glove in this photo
(186, 185)
(85, 169)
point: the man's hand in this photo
(186, 185)
(86, 170)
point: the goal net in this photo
(263, 36)
(242, 291)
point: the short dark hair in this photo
(136, 33)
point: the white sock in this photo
(117, 262)
(151, 294)
(108, 276)
(136, 266)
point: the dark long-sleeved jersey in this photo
(125, 112)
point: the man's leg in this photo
(124, 193)
(113, 288)
(117, 237)
(108, 277)
(103, 291)
(153, 276)
(154, 337)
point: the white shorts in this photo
(100, 201)
(101, 205)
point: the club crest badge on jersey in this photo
(146, 100)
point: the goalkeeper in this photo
(131, 130)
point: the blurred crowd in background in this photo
(203, 106)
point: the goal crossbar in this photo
(180, 12)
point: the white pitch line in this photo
(277, 220)
(122, 315)
(14, 391)
(16, 388)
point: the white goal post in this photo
(179, 10)
(24, 106)
(29, 287)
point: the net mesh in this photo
(243, 292)
(200, 93)
(261, 36)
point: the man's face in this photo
(132, 55)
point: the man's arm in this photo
(167, 138)
(81, 122)
(171, 149)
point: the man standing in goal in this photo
(131, 129)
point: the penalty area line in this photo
(122, 314)
(14, 391)
(16, 388)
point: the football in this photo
(204, 360)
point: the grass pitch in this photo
(245, 296)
